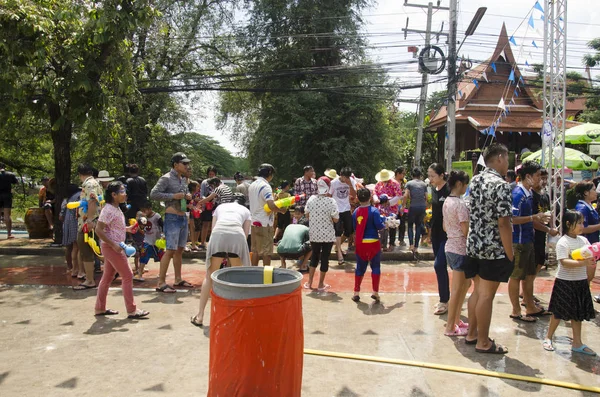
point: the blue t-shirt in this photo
(522, 205)
(374, 223)
(590, 218)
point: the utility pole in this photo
(452, 81)
(425, 75)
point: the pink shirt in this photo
(115, 223)
(392, 189)
(455, 212)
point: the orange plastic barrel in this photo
(36, 223)
(256, 333)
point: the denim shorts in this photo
(456, 261)
(176, 231)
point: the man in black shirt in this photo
(7, 179)
(137, 191)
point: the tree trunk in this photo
(61, 141)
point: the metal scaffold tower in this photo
(555, 92)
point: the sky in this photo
(384, 23)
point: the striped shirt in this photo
(564, 247)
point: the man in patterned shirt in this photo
(91, 192)
(307, 185)
(489, 245)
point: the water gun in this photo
(91, 241)
(286, 202)
(129, 250)
(83, 204)
(135, 223)
(161, 243)
(587, 252)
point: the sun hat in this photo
(104, 176)
(331, 173)
(384, 175)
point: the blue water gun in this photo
(83, 204)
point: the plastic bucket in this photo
(256, 333)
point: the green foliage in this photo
(592, 113)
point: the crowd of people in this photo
(492, 229)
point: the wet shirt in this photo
(541, 204)
(321, 210)
(340, 192)
(455, 212)
(522, 205)
(564, 247)
(309, 188)
(115, 223)
(438, 197)
(167, 186)
(7, 179)
(293, 240)
(490, 199)
(590, 218)
(153, 229)
(417, 189)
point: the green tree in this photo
(312, 96)
(64, 60)
(592, 113)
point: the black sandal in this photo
(356, 298)
(375, 298)
(194, 321)
(494, 349)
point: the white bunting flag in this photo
(501, 104)
(485, 77)
(481, 162)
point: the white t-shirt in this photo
(259, 193)
(341, 194)
(321, 210)
(152, 230)
(564, 247)
(231, 213)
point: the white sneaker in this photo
(441, 308)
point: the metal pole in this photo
(451, 124)
(423, 99)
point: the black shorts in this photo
(498, 270)
(6, 200)
(225, 255)
(206, 216)
(344, 225)
(283, 220)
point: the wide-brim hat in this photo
(104, 176)
(384, 175)
(331, 174)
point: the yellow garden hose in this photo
(452, 368)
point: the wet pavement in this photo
(52, 344)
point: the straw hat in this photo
(331, 173)
(104, 176)
(384, 175)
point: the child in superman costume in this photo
(367, 223)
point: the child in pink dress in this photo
(111, 230)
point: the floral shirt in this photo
(392, 189)
(114, 220)
(307, 187)
(90, 191)
(490, 199)
(455, 212)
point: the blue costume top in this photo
(522, 205)
(590, 218)
(374, 223)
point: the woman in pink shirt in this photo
(111, 230)
(456, 226)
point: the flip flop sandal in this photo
(541, 313)
(375, 298)
(139, 279)
(108, 312)
(83, 287)
(184, 284)
(306, 286)
(581, 349)
(522, 318)
(303, 270)
(324, 288)
(341, 263)
(457, 332)
(139, 314)
(356, 298)
(548, 345)
(494, 349)
(470, 342)
(195, 321)
(166, 289)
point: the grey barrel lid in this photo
(246, 282)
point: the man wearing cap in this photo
(90, 192)
(7, 179)
(307, 185)
(46, 200)
(261, 193)
(172, 188)
(386, 184)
